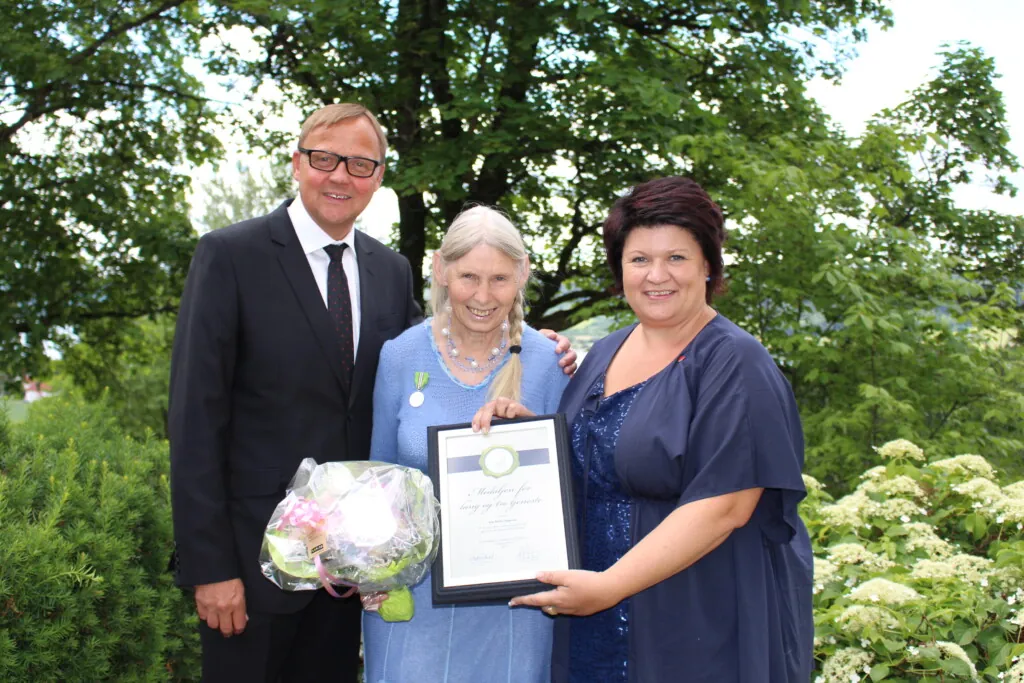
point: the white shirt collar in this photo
(311, 236)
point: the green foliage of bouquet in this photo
(85, 535)
(371, 526)
(919, 572)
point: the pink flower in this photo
(303, 514)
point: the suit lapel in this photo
(296, 269)
(361, 376)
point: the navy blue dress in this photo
(720, 419)
(599, 649)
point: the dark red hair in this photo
(668, 201)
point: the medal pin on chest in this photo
(420, 380)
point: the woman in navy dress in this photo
(688, 453)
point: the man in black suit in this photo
(262, 377)
(275, 354)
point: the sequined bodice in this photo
(604, 510)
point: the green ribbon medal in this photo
(420, 379)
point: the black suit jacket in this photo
(256, 386)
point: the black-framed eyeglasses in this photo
(360, 167)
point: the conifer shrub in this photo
(85, 536)
(919, 572)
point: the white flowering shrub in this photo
(919, 572)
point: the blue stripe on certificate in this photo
(471, 463)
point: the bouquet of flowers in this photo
(370, 526)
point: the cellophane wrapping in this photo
(380, 523)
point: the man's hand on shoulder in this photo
(562, 346)
(222, 606)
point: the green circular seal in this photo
(499, 461)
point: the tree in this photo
(241, 193)
(126, 368)
(893, 312)
(98, 115)
(548, 109)
(125, 363)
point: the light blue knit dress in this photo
(452, 644)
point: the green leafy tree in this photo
(127, 369)
(548, 109)
(126, 363)
(894, 312)
(98, 115)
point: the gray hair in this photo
(488, 226)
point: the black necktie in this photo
(339, 305)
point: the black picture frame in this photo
(445, 591)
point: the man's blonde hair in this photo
(336, 113)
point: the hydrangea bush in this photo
(919, 572)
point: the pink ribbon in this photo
(326, 580)
(306, 514)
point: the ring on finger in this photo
(550, 610)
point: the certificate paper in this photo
(506, 507)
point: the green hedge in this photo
(85, 535)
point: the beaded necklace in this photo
(473, 365)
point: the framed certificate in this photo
(507, 508)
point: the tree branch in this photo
(662, 25)
(172, 92)
(595, 294)
(485, 54)
(114, 32)
(51, 321)
(38, 107)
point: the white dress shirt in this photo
(313, 240)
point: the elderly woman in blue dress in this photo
(688, 453)
(440, 372)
